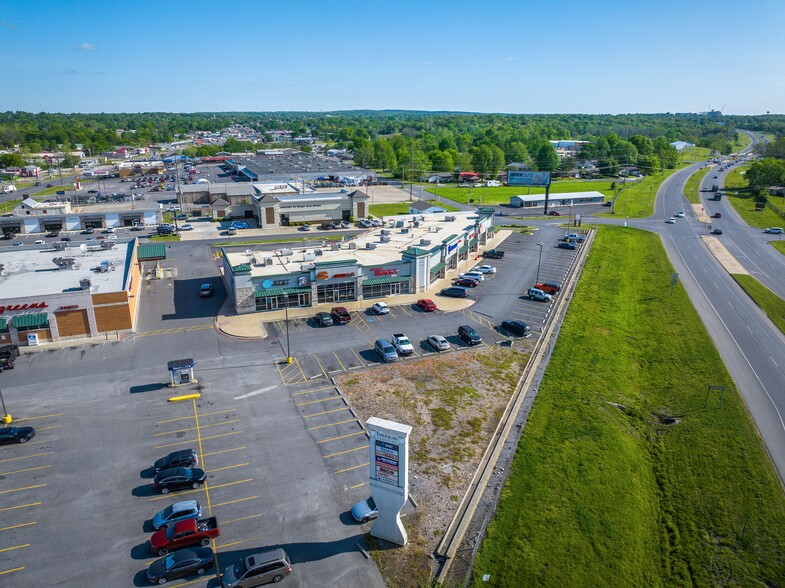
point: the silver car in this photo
(439, 343)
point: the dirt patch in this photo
(453, 403)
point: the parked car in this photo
(485, 269)
(516, 327)
(231, 231)
(455, 292)
(607, 203)
(774, 230)
(380, 308)
(575, 237)
(257, 569)
(466, 282)
(240, 225)
(548, 287)
(171, 479)
(346, 225)
(567, 245)
(185, 533)
(88, 231)
(323, 319)
(184, 458)
(469, 335)
(52, 234)
(65, 238)
(537, 294)
(327, 226)
(340, 315)
(402, 344)
(438, 342)
(426, 305)
(8, 355)
(305, 228)
(186, 562)
(39, 242)
(716, 231)
(385, 350)
(16, 435)
(493, 254)
(179, 511)
(206, 290)
(473, 275)
(554, 213)
(365, 510)
(187, 227)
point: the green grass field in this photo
(501, 194)
(779, 246)
(691, 189)
(637, 200)
(694, 154)
(380, 210)
(744, 202)
(742, 141)
(602, 495)
(768, 301)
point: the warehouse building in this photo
(563, 199)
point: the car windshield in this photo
(167, 512)
(371, 503)
(388, 349)
(169, 561)
(239, 569)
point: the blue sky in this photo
(562, 56)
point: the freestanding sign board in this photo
(389, 476)
(531, 178)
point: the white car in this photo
(485, 269)
(381, 308)
(39, 242)
(186, 227)
(671, 221)
(473, 275)
(439, 343)
(680, 214)
(112, 236)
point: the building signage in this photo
(346, 275)
(302, 281)
(23, 306)
(322, 275)
(281, 282)
(68, 307)
(380, 271)
(386, 462)
(452, 247)
(529, 178)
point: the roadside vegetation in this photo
(495, 195)
(394, 208)
(623, 477)
(690, 155)
(744, 201)
(742, 142)
(692, 188)
(768, 301)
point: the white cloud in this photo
(86, 47)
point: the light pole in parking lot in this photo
(288, 349)
(6, 417)
(539, 260)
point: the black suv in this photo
(178, 479)
(469, 335)
(185, 458)
(517, 328)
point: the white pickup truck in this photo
(402, 344)
(7, 189)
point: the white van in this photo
(9, 188)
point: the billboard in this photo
(529, 178)
(386, 463)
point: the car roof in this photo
(185, 505)
(264, 557)
(467, 327)
(180, 452)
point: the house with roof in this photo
(424, 207)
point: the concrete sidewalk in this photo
(252, 325)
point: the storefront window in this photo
(280, 302)
(329, 293)
(384, 290)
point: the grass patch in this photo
(768, 301)
(742, 142)
(606, 494)
(744, 201)
(692, 188)
(501, 194)
(637, 200)
(778, 245)
(395, 208)
(164, 237)
(692, 155)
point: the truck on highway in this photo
(402, 344)
(184, 534)
(8, 188)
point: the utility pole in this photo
(411, 179)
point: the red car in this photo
(340, 315)
(426, 305)
(184, 534)
(554, 213)
(548, 287)
(466, 283)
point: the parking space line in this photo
(340, 437)
(280, 328)
(362, 448)
(332, 424)
(191, 440)
(404, 310)
(47, 428)
(235, 502)
(358, 358)
(312, 391)
(233, 543)
(24, 488)
(223, 451)
(309, 416)
(24, 470)
(320, 365)
(317, 401)
(20, 506)
(14, 547)
(362, 465)
(192, 416)
(46, 416)
(339, 362)
(199, 439)
(239, 465)
(12, 570)
(202, 489)
(235, 520)
(195, 428)
(293, 367)
(357, 485)
(29, 443)
(17, 526)
(27, 456)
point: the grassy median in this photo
(692, 187)
(605, 488)
(768, 301)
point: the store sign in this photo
(23, 306)
(281, 282)
(322, 275)
(379, 271)
(346, 275)
(68, 307)
(386, 462)
(302, 281)
(452, 247)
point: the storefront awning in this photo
(438, 267)
(473, 242)
(271, 292)
(3, 324)
(463, 249)
(151, 252)
(337, 262)
(39, 319)
(384, 280)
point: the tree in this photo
(608, 166)
(232, 145)
(666, 152)
(482, 160)
(517, 152)
(383, 155)
(765, 173)
(363, 151)
(626, 153)
(547, 159)
(643, 144)
(441, 161)
(498, 160)
(649, 164)
(11, 160)
(70, 161)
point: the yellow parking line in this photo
(341, 437)
(14, 547)
(47, 428)
(191, 416)
(233, 543)
(360, 359)
(27, 456)
(12, 570)
(17, 526)
(234, 520)
(165, 496)
(308, 416)
(223, 451)
(46, 416)
(206, 578)
(362, 465)
(25, 470)
(339, 361)
(347, 451)
(24, 488)
(357, 485)
(404, 310)
(20, 506)
(331, 424)
(191, 440)
(29, 443)
(195, 428)
(234, 502)
(318, 401)
(321, 366)
(239, 465)
(312, 391)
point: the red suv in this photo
(548, 287)
(340, 315)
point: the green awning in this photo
(152, 251)
(472, 242)
(3, 324)
(384, 280)
(242, 268)
(272, 292)
(450, 238)
(438, 267)
(335, 263)
(39, 319)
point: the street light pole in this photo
(288, 349)
(539, 260)
(6, 417)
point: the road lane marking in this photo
(25, 470)
(233, 543)
(235, 502)
(341, 437)
(255, 392)
(27, 456)
(362, 465)
(223, 451)
(17, 526)
(239, 465)
(191, 416)
(24, 488)
(362, 448)
(191, 440)
(47, 428)
(318, 401)
(46, 416)
(357, 485)
(309, 416)
(195, 428)
(20, 506)
(332, 424)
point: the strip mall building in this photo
(67, 293)
(406, 256)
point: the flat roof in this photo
(433, 230)
(31, 271)
(559, 196)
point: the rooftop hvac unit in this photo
(424, 242)
(319, 251)
(335, 246)
(399, 224)
(404, 231)
(268, 261)
(64, 262)
(309, 256)
(352, 245)
(286, 252)
(307, 267)
(85, 283)
(370, 245)
(385, 238)
(385, 232)
(59, 246)
(449, 219)
(416, 223)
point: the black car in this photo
(515, 327)
(178, 479)
(455, 292)
(88, 231)
(185, 458)
(607, 203)
(323, 319)
(184, 562)
(8, 355)
(716, 231)
(16, 435)
(469, 335)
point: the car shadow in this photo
(147, 526)
(140, 579)
(370, 356)
(142, 551)
(147, 387)
(145, 490)
(347, 519)
(427, 347)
